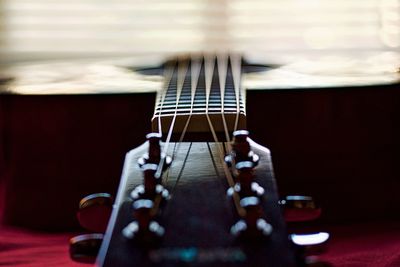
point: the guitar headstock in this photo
(191, 203)
(202, 218)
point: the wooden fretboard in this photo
(199, 87)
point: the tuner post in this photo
(148, 197)
(149, 179)
(241, 150)
(154, 154)
(240, 145)
(252, 226)
(154, 148)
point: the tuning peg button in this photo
(84, 248)
(299, 208)
(307, 246)
(94, 212)
(310, 244)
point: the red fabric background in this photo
(358, 245)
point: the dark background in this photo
(339, 145)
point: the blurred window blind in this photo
(59, 28)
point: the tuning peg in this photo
(299, 208)
(154, 154)
(311, 244)
(241, 150)
(84, 248)
(94, 212)
(146, 236)
(306, 246)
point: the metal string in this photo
(222, 73)
(195, 67)
(227, 172)
(236, 65)
(168, 72)
(182, 68)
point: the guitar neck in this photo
(198, 90)
(217, 203)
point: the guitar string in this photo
(181, 74)
(181, 77)
(208, 65)
(195, 71)
(228, 174)
(172, 125)
(236, 62)
(222, 74)
(220, 181)
(213, 160)
(168, 72)
(182, 168)
(241, 212)
(195, 67)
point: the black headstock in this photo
(198, 223)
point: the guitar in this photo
(199, 191)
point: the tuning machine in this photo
(308, 246)
(94, 212)
(298, 208)
(147, 198)
(151, 187)
(154, 154)
(245, 184)
(147, 235)
(84, 248)
(252, 226)
(144, 228)
(93, 215)
(250, 231)
(241, 150)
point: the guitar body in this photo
(198, 218)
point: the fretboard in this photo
(200, 90)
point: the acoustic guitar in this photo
(199, 191)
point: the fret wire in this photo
(191, 107)
(168, 73)
(209, 62)
(167, 141)
(195, 73)
(222, 74)
(182, 69)
(197, 88)
(236, 62)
